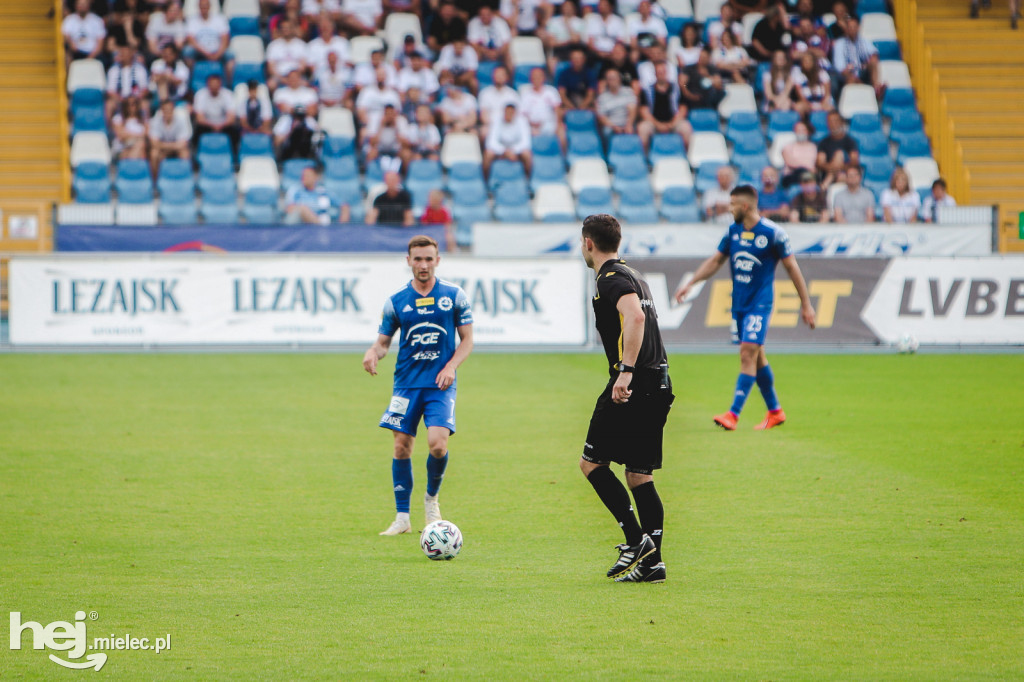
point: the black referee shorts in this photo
(631, 433)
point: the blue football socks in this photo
(744, 383)
(401, 474)
(435, 473)
(766, 382)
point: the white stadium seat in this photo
(337, 122)
(399, 25)
(247, 49)
(778, 144)
(527, 50)
(241, 8)
(857, 98)
(85, 214)
(875, 26)
(706, 9)
(90, 146)
(361, 47)
(677, 8)
(86, 73)
(738, 97)
(190, 8)
(136, 214)
(458, 147)
(671, 173)
(589, 172)
(922, 171)
(750, 20)
(553, 199)
(258, 171)
(707, 147)
(894, 73)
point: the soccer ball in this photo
(907, 343)
(441, 540)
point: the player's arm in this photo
(708, 268)
(806, 309)
(375, 352)
(446, 377)
(633, 319)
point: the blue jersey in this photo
(427, 327)
(753, 255)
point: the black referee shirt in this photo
(615, 279)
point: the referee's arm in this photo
(633, 320)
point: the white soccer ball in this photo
(907, 343)
(441, 540)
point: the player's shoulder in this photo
(776, 230)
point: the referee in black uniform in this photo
(629, 418)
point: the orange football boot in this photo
(727, 421)
(776, 418)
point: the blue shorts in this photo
(407, 405)
(750, 326)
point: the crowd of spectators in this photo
(612, 60)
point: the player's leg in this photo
(749, 332)
(766, 384)
(439, 418)
(401, 477)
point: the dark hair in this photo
(604, 230)
(939, 183)
(747, 191)
(422, 240)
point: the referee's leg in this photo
(649, 508)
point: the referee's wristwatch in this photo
(623, 367)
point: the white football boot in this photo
(431, 509)
(399, 525)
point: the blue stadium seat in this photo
(485, 73)
(637, 205)
(623, 147)
(291, 172)
(865, 123)
(704, 120)
(781, 122)
(86, 97)
(469, 206)
(546, 145)
(743, 124)
(335, 147)
(178, 205)
(92, 183)
(593, 200)
(632, 170)
(374, 174)
(547, 170)
(675, 24)
(666, 146)
(749, 142)
(679, 204)
(341, 168)
(213, 145)
(762, 69)
(707, 176)
(134, 183)
(877, 173)
(873, 144)
(898, 99)
(202, 70)
(889, 50)
(869, 6)
(466, 176)
(819, 121)
(912, 146)
(521, 76)
(578, 120)
(583, 145)
(220, 207)
(423, 177)
(255, 144)
(512, 203)
(905, 122)
(89, 118)
(505, 172)
(175, 173)
(347, 191)
(558, 218)
(244, 26)
(260, 206)
(216, 185)
(750, 167)
(248, 71)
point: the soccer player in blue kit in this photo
(428, 312)
(754, 246)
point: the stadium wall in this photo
(298, 300)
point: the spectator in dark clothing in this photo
(393, 206)
(660, 109)
(701, 84)
(576, 84)
(809, 205)
(836, 151)
(446, 28)
(620, 61)
(768, 34)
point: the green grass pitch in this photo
(234, 502)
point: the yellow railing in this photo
(940, 128)
(62, 102)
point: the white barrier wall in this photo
(191, 299)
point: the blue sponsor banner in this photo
(237, 238)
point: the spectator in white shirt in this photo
(327, 41)
(900, 202)
(542, 105)
(255, 114)
(129, 130)
(493, 99)
(604, 29)
(295, 93)
(489, 35)
(509, 138)
(373, 98)
(562, 33)
(322, 8)
(207, 37)
(646, 30)
(420, 76)
(422, 139)
(126, 78)
(458, 110)
(83, 32)
(363, 16)
(522, 14)
(286, 53)
(169, 75)
(727, 20)
(366, 73)
(854, 58)
(461, 61)
(717, 199)
(214, 109)
(333, 82)
(935, 200)
(382, 138)
(170, 135)
(166, 27)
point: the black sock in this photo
(652, 515)
(611, 491)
